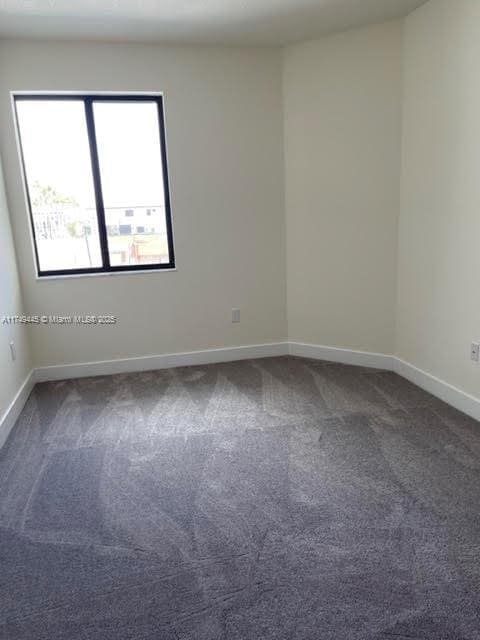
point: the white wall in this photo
(358, 148)
(12, 374)
(342, 113)
(225, 144)
(439, 236)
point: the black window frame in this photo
(88, 99)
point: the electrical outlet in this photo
(475, 351)
(13, 353)
(235, 315)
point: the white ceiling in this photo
(262, 22)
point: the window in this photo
(93, 165)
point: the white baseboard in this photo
(448, 393)
(344, 356)
(437, 387)
(149, 363)
(14, 409)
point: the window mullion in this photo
(166, 187)
(97, 183)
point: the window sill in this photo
(103, 274)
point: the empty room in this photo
(240, 320)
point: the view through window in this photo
(97, 182)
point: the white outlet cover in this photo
(475, 351)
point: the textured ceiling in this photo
(262, 22)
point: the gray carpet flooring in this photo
(268, 499)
